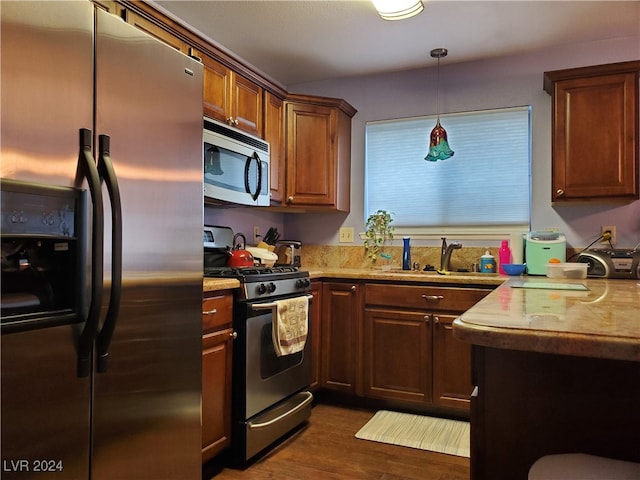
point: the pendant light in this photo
(398, 9)
(438, 144)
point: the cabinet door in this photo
(595, 138)
(216, 93)
(452, 385)
(154, 29)
(316, 331)
(340, 336)
(397, 355)
(231, 98)
(274, 134)
(311, 160)
(216, 392)
(246, 105)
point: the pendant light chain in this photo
(438, 90)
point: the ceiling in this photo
(296, 41)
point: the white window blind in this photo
(486, 182)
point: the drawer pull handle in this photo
(427, 318)
(234, 335)
(436, 320)
(210, 312)
(432, 298)
(353, 288)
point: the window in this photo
(485, 184)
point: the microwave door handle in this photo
(107, 173)
(259, 169)
(87, 167)
(247, 166)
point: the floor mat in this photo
(426, 433)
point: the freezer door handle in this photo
(108, 175)
(87, 168)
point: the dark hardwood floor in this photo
(326, 448)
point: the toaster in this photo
(611, 262)
(289, 253)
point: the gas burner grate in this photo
(241, 272)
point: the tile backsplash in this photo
(339, 256)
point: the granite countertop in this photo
(600, 322)
(398, 275)
(215, 284)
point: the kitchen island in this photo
(556, 369)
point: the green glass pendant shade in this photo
(438, 144)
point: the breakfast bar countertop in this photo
(546, 315)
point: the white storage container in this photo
(567, 270)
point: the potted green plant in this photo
(378, 230)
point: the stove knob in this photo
(271, 287)
(303, 283)
(262, 288)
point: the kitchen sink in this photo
(434, 272)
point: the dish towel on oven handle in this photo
(290, 325)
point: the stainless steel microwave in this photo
(236, 166)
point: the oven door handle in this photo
(308, 399)
(271, 305)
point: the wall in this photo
(493, 83)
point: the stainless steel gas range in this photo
(271, 394)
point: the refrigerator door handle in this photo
(107, 173)
(87, 168)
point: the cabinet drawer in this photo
(217, 311)
(423, 297)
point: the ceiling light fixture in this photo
(438, 144)
(398, 9)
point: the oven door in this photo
(268, 378)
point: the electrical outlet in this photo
(256, 233)
(346, 235)
(612, 230)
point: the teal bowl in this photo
(514, 269)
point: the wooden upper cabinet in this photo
(231, 98)
(155, 29)
(274, 134)
(595, 132)
(318, 156)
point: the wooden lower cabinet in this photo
(397, 355)
(315, 314)
(452, 384)
(410, 353)
(394, 344)
(217, 349)
(340, 344)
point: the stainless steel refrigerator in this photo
(107, 386)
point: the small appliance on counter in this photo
(542, 246)
(289, 252)
(611, 262)
(218, 241)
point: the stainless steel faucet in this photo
(445, 254)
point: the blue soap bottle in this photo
(406, 254)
